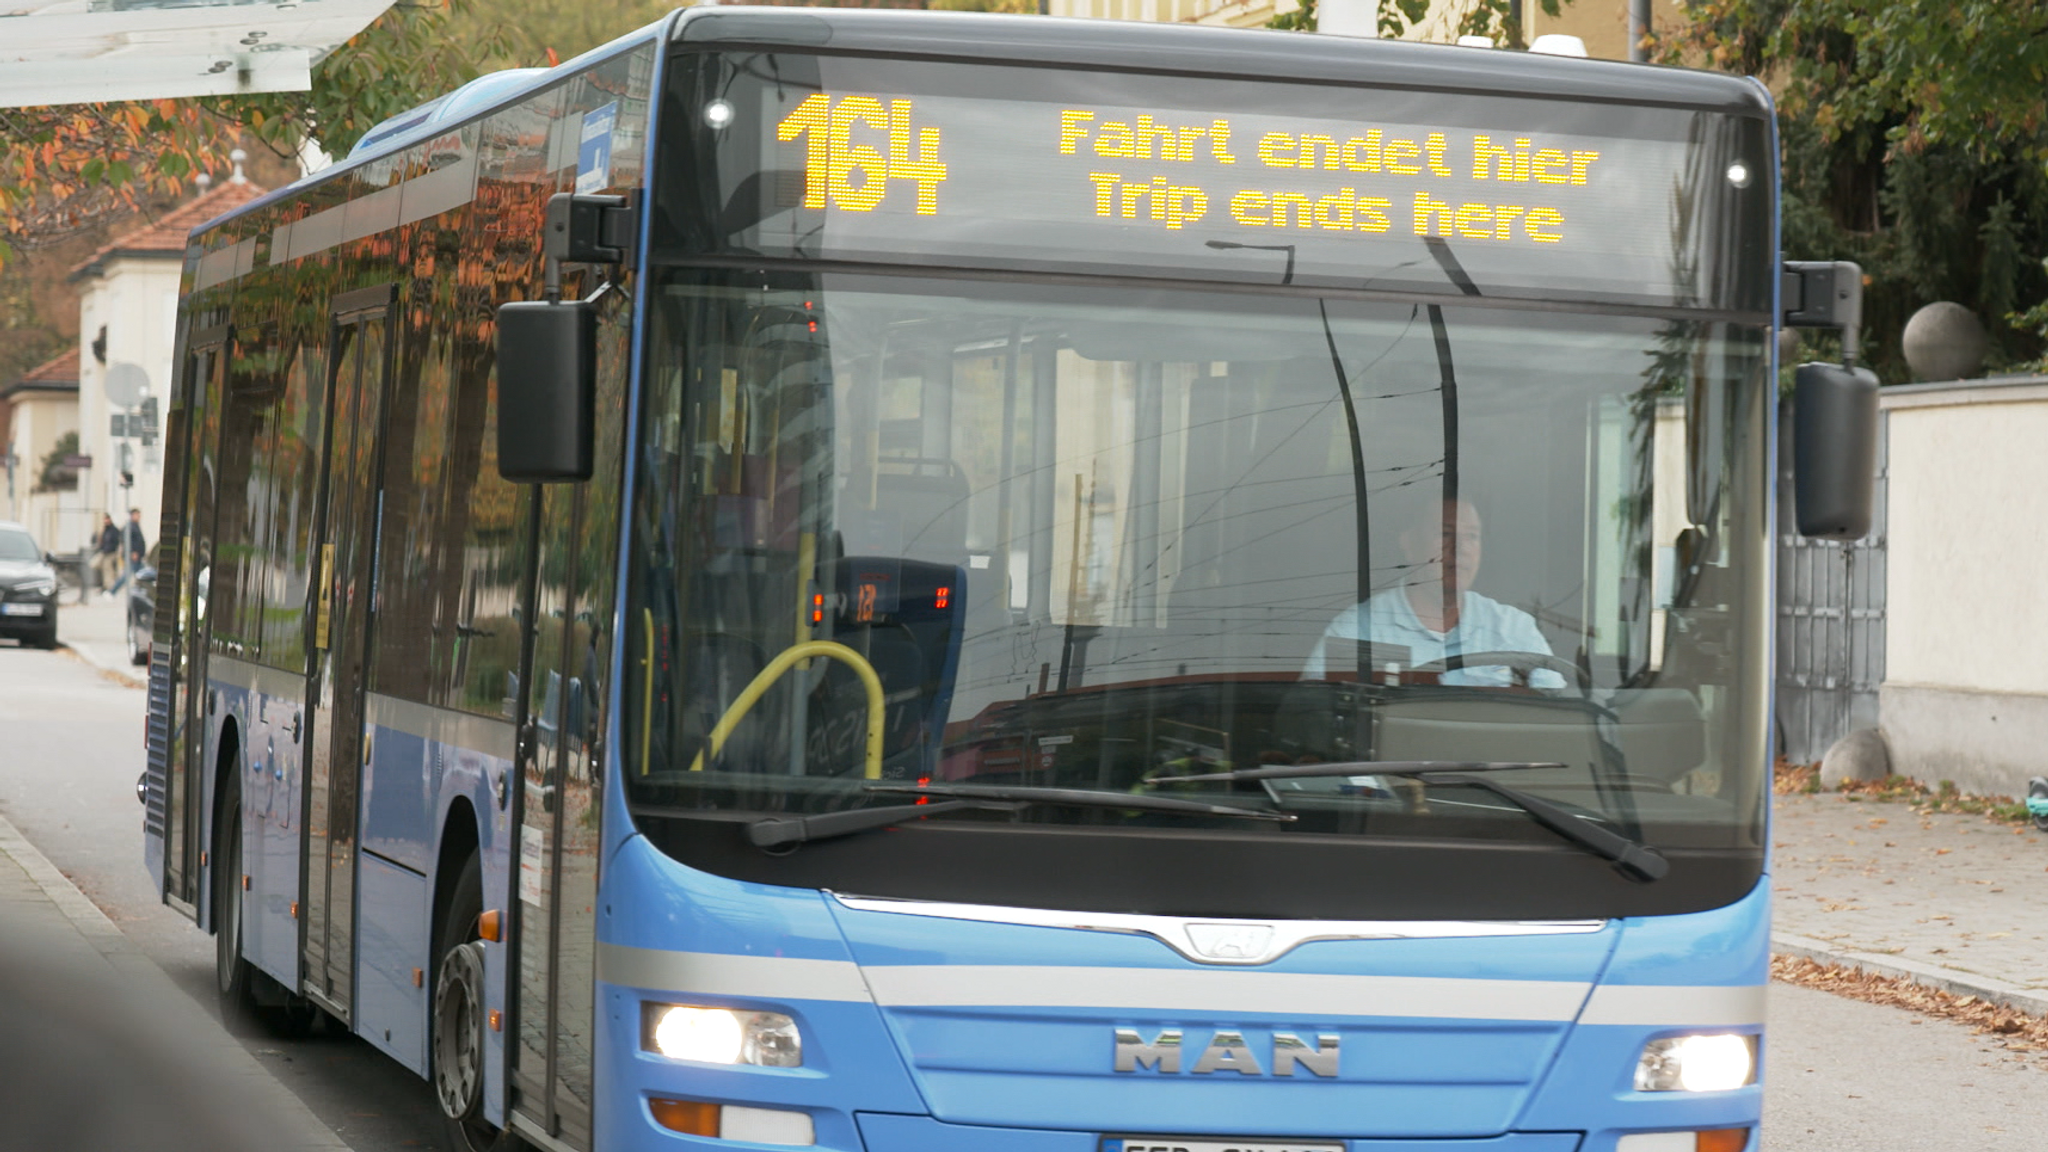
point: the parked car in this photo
(28, 588)
(142, 609)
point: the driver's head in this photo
(1439, 530)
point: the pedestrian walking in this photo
(106, 553)
(134, 548)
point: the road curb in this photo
(123, 673)
(2032, 1001)
(299, 1129)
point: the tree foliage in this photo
(55, 475)
(70, 167)
(1497, 20)
(1914, 135)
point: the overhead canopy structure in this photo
(81, 51)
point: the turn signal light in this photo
(696, 1117)
(1723, 1140)
(734, 1122)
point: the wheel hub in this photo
(458, 1032)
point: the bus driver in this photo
(1433, 614)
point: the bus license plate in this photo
(1213, 1144)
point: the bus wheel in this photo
(234, 977)
(247, 996)
(458, 1019)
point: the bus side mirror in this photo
(547, 387)
(1834, 450)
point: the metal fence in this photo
(1831, 597)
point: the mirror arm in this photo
(1823, 294)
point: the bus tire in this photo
(247, 996)
(456, 1027)
(234, 978)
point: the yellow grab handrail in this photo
(783, 661)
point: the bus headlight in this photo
(1711, 1063)
(721, 1035)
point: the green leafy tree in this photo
(70, 167)
(55, 475)
(1497, 20)
(1914, 135)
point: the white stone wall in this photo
(136, 298)
(53, 517)
(1965, 693)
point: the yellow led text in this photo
(1144, 138)
(1173, 205)
(1521, 163)
(1342, 211)
(1374, 152)
(854, 176)
(1486, 221)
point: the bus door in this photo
(178, 675)
(346, 537)
(557, 878)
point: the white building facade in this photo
(41, 407)
(127, 332)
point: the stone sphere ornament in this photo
(1945, 341)
(1790, 342)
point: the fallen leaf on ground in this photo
(2008, 1028)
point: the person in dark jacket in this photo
(106, 552)
(133, 548)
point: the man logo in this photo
(1231, 941)
(1227, 1052)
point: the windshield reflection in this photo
(1085, 537)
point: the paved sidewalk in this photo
(97, 632)
(100, 1050)
(1957, 902)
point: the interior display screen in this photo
(890, 161)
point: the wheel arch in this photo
(460, 838)
(225, 781)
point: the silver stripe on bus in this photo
(1290, 994)
(261, 678)
(224, 264)
(723, 974)
(1214, 940)
(304, 237)
(1676, 1006)
(446, 726)
(443, 189)
(1235, 992)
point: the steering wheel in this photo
(1520, 664)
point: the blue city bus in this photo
(893, 581)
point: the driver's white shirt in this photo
(1483, 626)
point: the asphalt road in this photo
(70, 751)
(1842, 1074)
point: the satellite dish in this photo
(127, 384)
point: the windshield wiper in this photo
(778, 831)
(1636, 861)
(1356, 768)
(1079, 798)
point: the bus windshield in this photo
(1102, 538)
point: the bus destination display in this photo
(867, 176)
